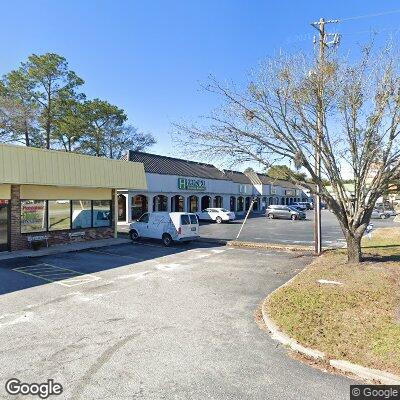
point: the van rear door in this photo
(194, 224)
(189, 225)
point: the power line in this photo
(380, 14)
(372, 31)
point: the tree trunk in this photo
(26, 133)
(27, 141)
(353, 248)
(48, 130)
(48, 120)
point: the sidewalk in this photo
(63, 248)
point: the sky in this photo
(150, 57)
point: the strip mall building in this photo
(60, 197)
(179, 185)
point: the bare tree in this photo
(275, 118)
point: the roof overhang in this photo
(34, 166)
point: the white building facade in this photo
(175, 184)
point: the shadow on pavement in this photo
(52, 268)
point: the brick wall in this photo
(20, 241)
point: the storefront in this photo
(180, 185)
(57, 197)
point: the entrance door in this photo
(3, 225)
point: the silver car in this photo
(379, 214)
(284, 212)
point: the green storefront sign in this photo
(198, 185)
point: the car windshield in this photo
(224, 210)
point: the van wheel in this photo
(271, 216)
(293, 217)
(218, 220)
(166, 239)
(134, 235)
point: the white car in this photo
(218, 215)
(168, 226)
(379, 214)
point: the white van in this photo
(167, 226)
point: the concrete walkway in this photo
(62, 248)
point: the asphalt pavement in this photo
(140, 321)
(262, 229)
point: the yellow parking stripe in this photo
(51, 273)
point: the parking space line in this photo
(115, 254)
(52, 273)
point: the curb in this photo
(270, 246)
(365, 373)
(257, 245)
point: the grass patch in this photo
(358, 321)
(384, 242)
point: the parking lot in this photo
(143, 321)
(261, 229)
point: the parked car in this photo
(286, 212)
(386, 208)
(379, 214)
(168, 226)
(300, 205)
(308, 204)
(218, 215)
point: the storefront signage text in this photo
(191, 184)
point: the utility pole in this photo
(323, 42)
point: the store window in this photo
(55, 215)
(33, 216)
(218, 201)
(101, 213)
(193, 203)
(240, 204)
(121, 207)
(59, 215)
(160, 203)
(81, 214)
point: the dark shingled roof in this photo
(156, 164)
(268, 180)
(237, 177)
(265, 179)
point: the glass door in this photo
(3, 225)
